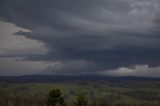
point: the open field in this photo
(138, 93)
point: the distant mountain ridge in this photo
(56, 78)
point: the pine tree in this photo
(81, 100)
(55, 98)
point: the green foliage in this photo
(100, 93)
(93, 103)
(20, 98)
(104, 104)
(81, 100)
(120, 104)
(55, 98)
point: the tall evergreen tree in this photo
(81, 100)
(55, 98)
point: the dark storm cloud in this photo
(105, 33)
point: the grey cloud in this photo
(12, 66)
(138, 70)
(107, 33)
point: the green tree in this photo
(120, 104)
(55, 98)
(93, 103)
(81, 100)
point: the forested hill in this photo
(53, 78)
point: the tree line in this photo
(55, 98)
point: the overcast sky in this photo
(80, 37)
